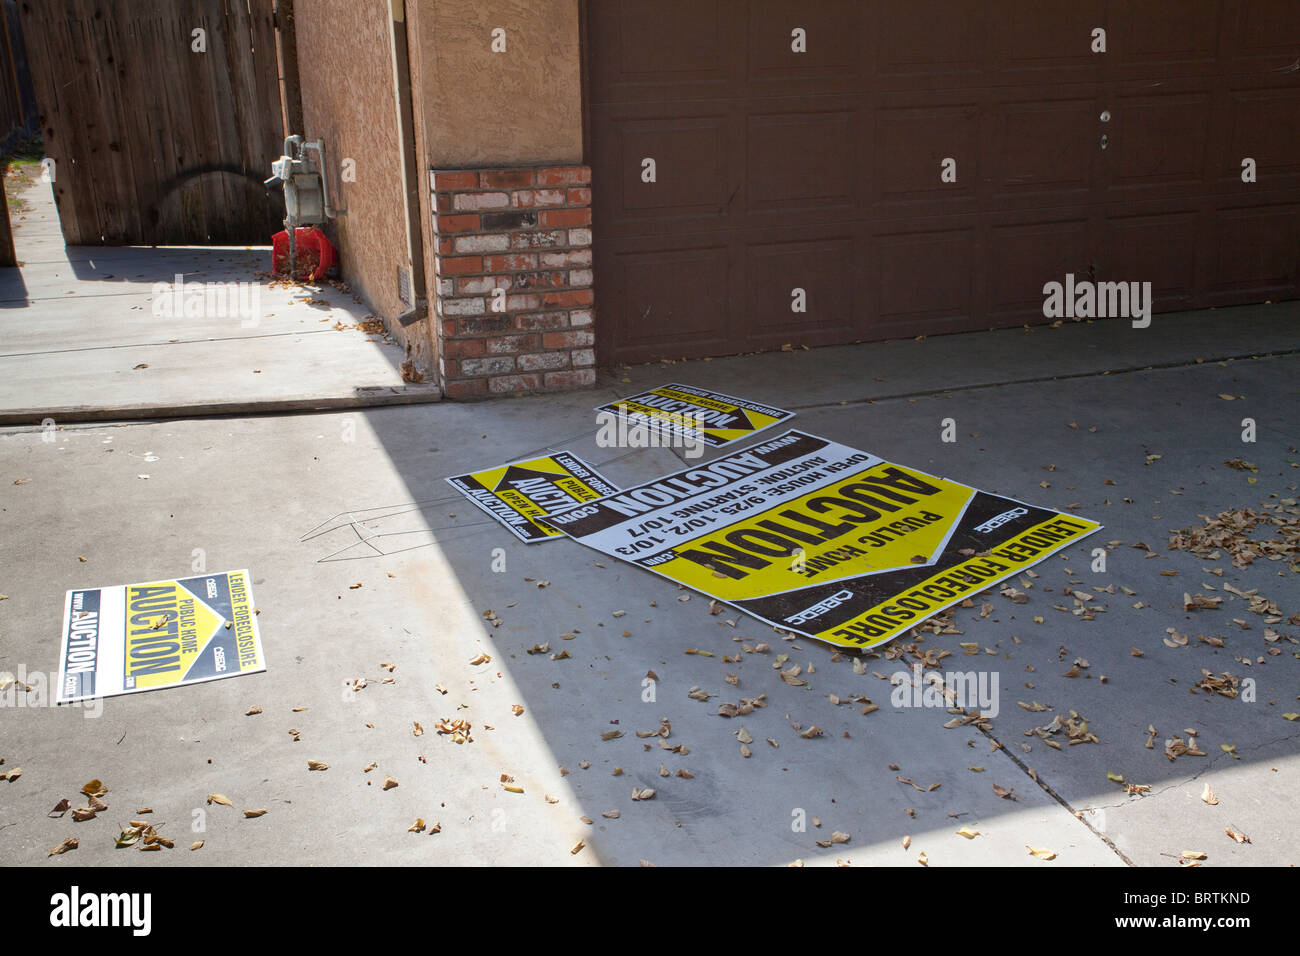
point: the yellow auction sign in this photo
(709, 417)
(519, 493)
(823, 539)
(138, 637)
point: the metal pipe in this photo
(293, 246)
(319, 146)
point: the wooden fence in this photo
(162, 117)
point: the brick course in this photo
(526, 232)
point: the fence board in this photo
(154, 143)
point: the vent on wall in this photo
(404, 291)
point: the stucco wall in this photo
(346, 72)
(486, 109)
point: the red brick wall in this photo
(526, 231)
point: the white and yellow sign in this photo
(820, 538)
(698, 413)
(518, 493)
(136, 637)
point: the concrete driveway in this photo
(1132, 428)
(110, 333)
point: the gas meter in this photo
(306, 190)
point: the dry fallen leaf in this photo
(252, 711)
(196, 844)
(220, 798)
(69, 844)
(317, 765)
(254, 813)
(1042, 854)
(389, 783)
(417, 826)
(95, 788)
(839, 836)
(968, 833)
(1209, 796)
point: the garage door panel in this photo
(1159, 144)
(1024, 256)
(670, 49)
(1166, 38)
(924, 278)
(1047, 43)
(1264, 125)
(830, 58)
(1155, 247)
(928, 44)
(784, 273)
(1043, 151)
(1256, 252)
(1267, 36)
(691, 188)
(910, 146)
(802, 159)
(666, 298)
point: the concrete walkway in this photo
(94, 333)
(1143, 451)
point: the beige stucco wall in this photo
(346, 71)
(520, 107)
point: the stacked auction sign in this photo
(804, 533)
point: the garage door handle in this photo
(1104, 140)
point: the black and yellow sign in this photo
(823, 539)
(518, 493)
(137, 637)
(696, 413)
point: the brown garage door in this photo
(784, 177)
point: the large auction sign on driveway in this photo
(137, 637)
(823, 539)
